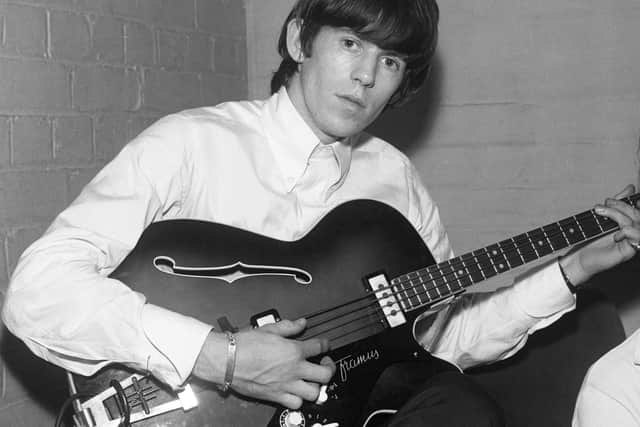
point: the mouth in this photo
(353, 100)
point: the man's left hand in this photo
(611, 250)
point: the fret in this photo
(548, 239)
(520, 255)
(465, 281)
(431, 289)
(518, 251)
(584, 236)
(512, 254)
(466, 270)
(412, 275)
(597, 218)
(424, 288)
(396, 290)
(399, 279)
(435, 282)
(399, 288)
(606, 223)
(410, 298)
(445, 273)
(485, 263)
(539, 244)
(548, 235)
(473, 270)
(458, 274)
(527, 250)
(498, 260)
(590, 226)
(570, 230)
(556, 236)
(564, 234)
(533, 246)
(505, 254)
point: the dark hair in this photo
(409, 27)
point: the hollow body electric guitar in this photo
(360, 277)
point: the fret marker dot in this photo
(460, 273)
(494, 252)
(571, 230)
(539, 242)
(501, 266)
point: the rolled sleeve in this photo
(484, 327)
(544, 294)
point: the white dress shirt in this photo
(252, 165)
(610, 392)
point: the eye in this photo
(350, 43)
(391, 63)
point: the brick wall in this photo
(78, 79)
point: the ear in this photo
(294, 45)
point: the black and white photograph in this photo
(319, 213)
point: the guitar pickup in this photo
(265, 318)
(387, 299)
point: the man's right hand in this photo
(269, 366)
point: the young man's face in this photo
(345, 83)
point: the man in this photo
(276, 167)
(610, 393)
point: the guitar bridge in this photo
(136, 396)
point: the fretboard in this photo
(431, 284)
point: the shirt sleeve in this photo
(483, 327)
(62, 303)
(480, 328)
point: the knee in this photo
(474, 403)
(453, 399)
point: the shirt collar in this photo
(292, 141)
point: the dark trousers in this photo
(447, 399)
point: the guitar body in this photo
(324, 270)
(338, 277)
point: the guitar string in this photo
(598, 222)
(517, 252)
(598, 227)
(373, 305)
(442, 275)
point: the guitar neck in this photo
(424, 287)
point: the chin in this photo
(345, 130)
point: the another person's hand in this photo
(269, 366)
(611, 250)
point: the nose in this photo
(364, 70)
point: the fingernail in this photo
(599, 210)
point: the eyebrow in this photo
(389, 52)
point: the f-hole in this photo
(232, 272)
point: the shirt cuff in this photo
(544, 293)
(178, 338)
